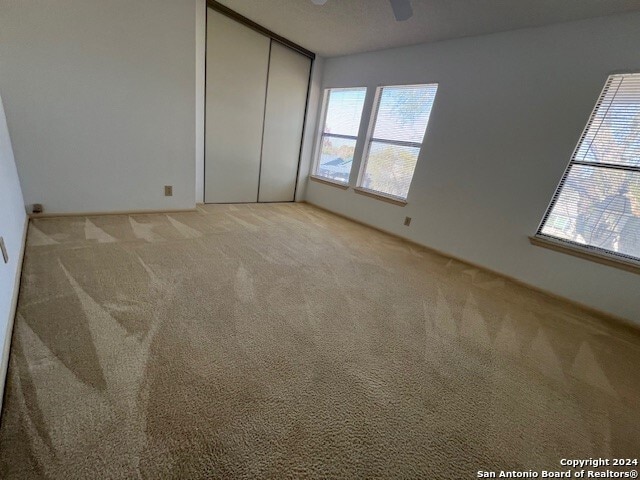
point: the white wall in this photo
(310, 127)
(100, 97)
(509, 111)
(12, 226)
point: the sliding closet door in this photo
(283, 123)
(237, 64)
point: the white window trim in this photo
(587, 252)
(593, 254)
(369, 140)
(320, 134)
(373, 119)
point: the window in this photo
(597, 205)
(401, 115)
(343, 112)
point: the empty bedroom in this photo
(319, 239)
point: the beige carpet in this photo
(280, 341)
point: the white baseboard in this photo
(609, 317)
(115, 212)
(6, 348)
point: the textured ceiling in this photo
(348, 26)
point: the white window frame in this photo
(369, 139)
(588, 252)
(320, 134)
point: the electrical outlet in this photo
(3, 247)
(168, 190)
(407, 221)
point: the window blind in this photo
(343, 112)
(401, 117)
(597, 204)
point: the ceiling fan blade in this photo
(401, 9)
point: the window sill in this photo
(585, 253)
(381, 196)
(327, 181)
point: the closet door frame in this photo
(274, 37)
